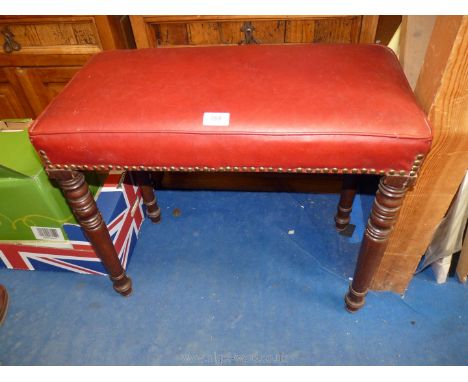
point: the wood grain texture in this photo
(111, 32)
(439, 51)
(54, 35)
(41, 85)
(164, 31)
(444, 80)
(270, 32)
(52, 49)
(203, 33)
(142, 32)
(171, 34)
(13, 102)
(299, 31)
(368, 29)
(231, 32)
(44, 60)
(339, 30)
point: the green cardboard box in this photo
(29, 202)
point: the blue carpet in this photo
(237, 278)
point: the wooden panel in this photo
(203, 33)
(442, 90)
(49, 35)
(114, 32)
(11, 105)
(231, 32)
(368, 29)
(338, 30)
(269, 32)
(43, 59)
(52, 50)
(299, 31)
(171, 34)
(54, 79)
(41, 85)
(143, 32)
(154, 31)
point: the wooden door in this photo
(12, 101)
(42, 84)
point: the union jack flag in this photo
(121, 209)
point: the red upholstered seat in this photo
(283, 108)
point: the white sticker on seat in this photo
(216, 119)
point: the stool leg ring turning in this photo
(384, 213)
(149, 198)
(348, 192)
(83, 205)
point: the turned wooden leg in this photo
(345, 205)
(149, 198)
(84, 207)
(384, 212)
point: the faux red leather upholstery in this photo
(291, 106)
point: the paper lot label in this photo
(216, 119)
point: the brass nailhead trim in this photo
(416, 165)
(298, 170)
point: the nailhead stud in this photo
(324, 170)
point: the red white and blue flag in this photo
(122, 210)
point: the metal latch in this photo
(10, 44)
(248, 30)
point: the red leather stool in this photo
(337, 109)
